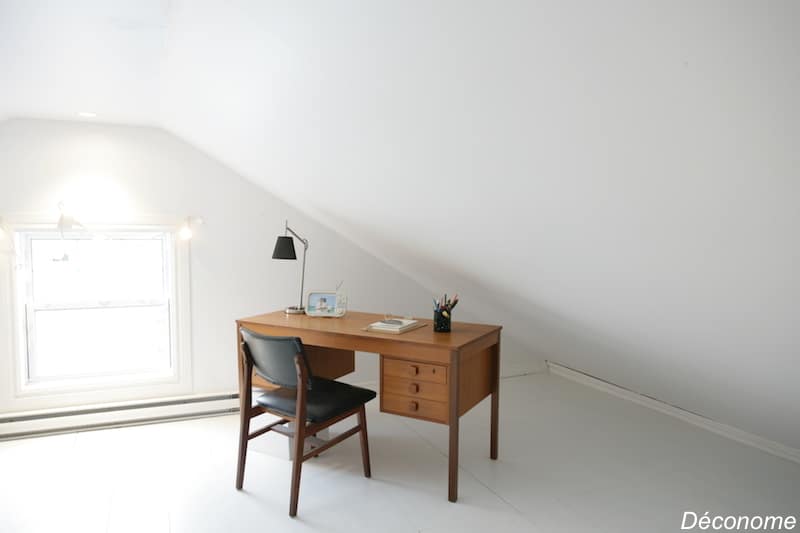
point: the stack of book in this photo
(394, 325)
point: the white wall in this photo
(615, 182)
(112, 170)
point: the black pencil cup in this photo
(441, 321)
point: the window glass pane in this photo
(93, 342)
(91, 271)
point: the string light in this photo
(186, 233)
(6, 242)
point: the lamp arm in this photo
(299, 238)
(305, 249)
(303, 275)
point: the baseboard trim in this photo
(733, 433)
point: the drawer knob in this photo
(413, 406)
(413, 388)
(413, 370)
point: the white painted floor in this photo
(572, 459)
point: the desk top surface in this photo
(354, 324)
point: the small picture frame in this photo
(324, 303)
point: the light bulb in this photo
(185, 232)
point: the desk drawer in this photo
(413, 370)
(415, 389)
(414, 407)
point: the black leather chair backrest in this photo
(273, 357)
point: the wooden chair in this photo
(314, 405)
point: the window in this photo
(96, 310)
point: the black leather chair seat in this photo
(325, 399)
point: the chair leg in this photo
(362, 422)
(297, 465)
(244, 432)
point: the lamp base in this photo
(295, 310)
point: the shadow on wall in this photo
(531, 332)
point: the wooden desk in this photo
(426, 375)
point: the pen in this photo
(445, 305)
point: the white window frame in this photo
(97, 389)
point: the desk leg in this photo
(239, 358)
(495, 399)
(452, 493)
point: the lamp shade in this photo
(284, 248)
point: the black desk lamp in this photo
(284, 249)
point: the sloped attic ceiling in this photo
(614, 182)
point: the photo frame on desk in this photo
(324, 303)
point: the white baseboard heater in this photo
(51, 422)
